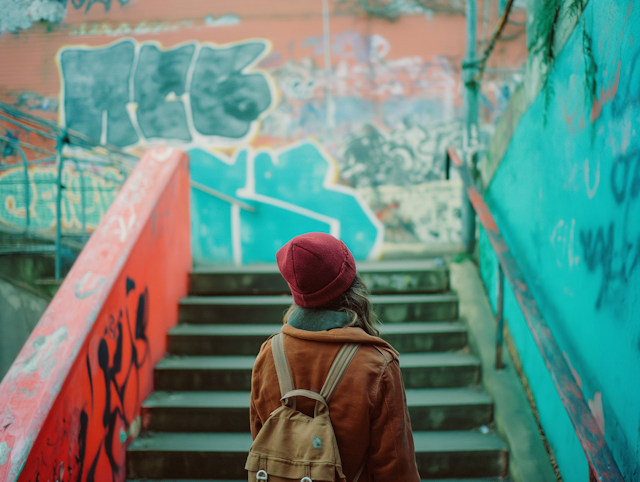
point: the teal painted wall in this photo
(567, 199)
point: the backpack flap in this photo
(292, 445)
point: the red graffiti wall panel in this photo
(75, 390)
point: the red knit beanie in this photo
(317, 267)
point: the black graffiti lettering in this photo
(129, 285)
(224, 101)
(96, 92)
(159, 82)
(634, 188)
(619, 176)
(142, 316)
(598, 251)
(82, 442)
(77, 4)
(91, 477)
(617, 258)
(120, 378)
(90, 379)
(623, 180)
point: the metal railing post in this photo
(27, 189)
(60, 163)
(500, 319)
(82, 205)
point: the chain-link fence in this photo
(55, 184)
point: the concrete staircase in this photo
(196, 423)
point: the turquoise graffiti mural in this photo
(291, 191)
(130, 92)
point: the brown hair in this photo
(354, 301)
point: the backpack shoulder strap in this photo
(337, 370)
(283, 371)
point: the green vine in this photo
(545, 33)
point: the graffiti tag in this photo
(615, 248)
(127, 92)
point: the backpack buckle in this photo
(262, 475)
(305, 479)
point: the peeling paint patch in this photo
(4, 452)
(43, 349)
(21, 14)
(595, 406)
(88, 285)
(224, 20)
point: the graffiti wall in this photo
(71, 400)
(567, 197)
(87, 196)
(376, 103)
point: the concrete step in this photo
(460, 454)
(233, 373)
(240, 339)
(430, 409)
(269, 309)
(484, 479)
(163, 455)
(491, 479)
(415, 276)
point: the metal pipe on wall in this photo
(62, 138)
(470, 133)
(330, 105)
(500, 318)
(27, 188)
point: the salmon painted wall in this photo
(71, 400)
(567, 199)
(375, 109)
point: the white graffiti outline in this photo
(591, 191)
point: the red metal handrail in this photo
(602, 466)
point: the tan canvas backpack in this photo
(292, 446)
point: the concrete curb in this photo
(515, 422)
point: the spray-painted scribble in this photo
(111, 416)
(21, 15)
(222, 20)
(615, 254)
(87, 4)
(122, 352)
(424, 213)
(124, 28)
(409, 154)
(129, 92)
(613, 249)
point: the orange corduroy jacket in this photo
(368, 410)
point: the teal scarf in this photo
(317, 320)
